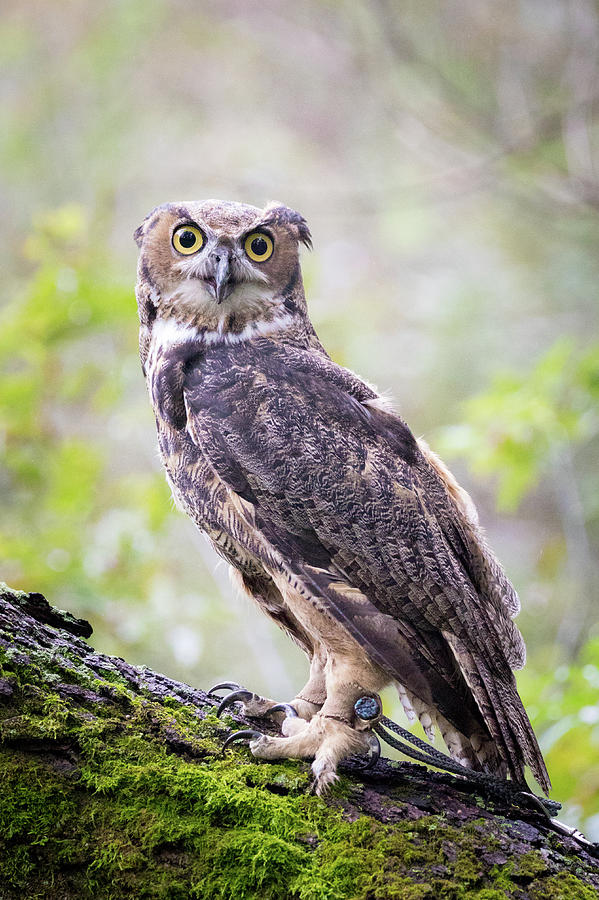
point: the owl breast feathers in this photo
(349, 533)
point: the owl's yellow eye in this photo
(188, 239)
(258, 246)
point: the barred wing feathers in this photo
(363, 520)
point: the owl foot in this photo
(374, 752)
(255, 706)
(324, 739)
(251, 704)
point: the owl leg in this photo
(339, 729)
(323, 739)
(305, 705)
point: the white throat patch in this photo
(168, 333)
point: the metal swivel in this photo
(368, 708)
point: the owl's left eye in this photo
(259, 246)
(188, 239)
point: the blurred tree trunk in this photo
(113, 785)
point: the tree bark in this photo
(114, 785)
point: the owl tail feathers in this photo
(503, 714)
(526, 738)
(477, 751)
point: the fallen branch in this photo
(114, 785)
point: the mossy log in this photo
(114, 786)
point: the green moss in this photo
(488, 894)
(564, 886)
(530, 865)
(106, 809)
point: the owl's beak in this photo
(218, 278)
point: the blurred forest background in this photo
(445, 156)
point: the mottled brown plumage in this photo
(347, 531)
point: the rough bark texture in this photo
(113, 786)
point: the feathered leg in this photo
(306, 704)
(335, 731)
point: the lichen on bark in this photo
(114, 786)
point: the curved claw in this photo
(246, 735)
(374, 752)
(229, 685)
(233, 697)
(289, 710)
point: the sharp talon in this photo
(233, 697)
(287, 708)
(245, 735)
(374, 753)
(229, 685)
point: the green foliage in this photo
(70, 518)
(523, 430)
(561, 700)
(523, 425)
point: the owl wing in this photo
(340, 497)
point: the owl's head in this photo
(219, 265)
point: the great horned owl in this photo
(352, 535)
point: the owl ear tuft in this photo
(277, 214)
(147, 224)
(138, 234)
